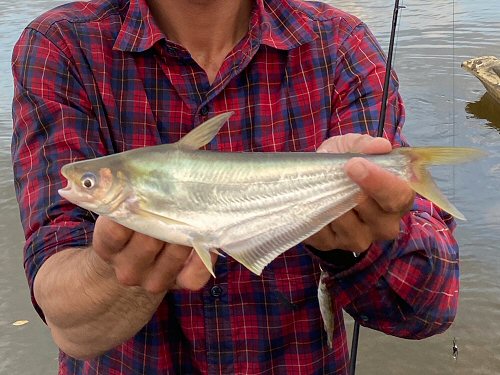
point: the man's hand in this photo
(139, 260)
(98, 297)
(378, 216)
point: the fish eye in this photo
(88, 180)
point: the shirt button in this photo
(204, 110)
(216, 291)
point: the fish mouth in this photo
(66, 191)
(74, 196)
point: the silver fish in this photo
(487, 70)
(252, 206)
(325, 307)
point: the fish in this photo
(487, 70)
(251, 206)
(325, 307)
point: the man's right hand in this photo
(140, 260)
(96, 298)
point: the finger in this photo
(351, 232)
(360, 143)
(383, 225)
(194, 275)
(109, 237)
(351, 142)
(136, 258)
(323, 240)
(375, 145)
(391, 192)
(162, 275)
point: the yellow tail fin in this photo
(421, 180)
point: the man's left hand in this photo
(375, 218)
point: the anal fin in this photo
(257, 249)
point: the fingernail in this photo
(357, 170)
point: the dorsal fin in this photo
(204, 133)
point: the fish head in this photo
(93, 186)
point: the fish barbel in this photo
(252, 206)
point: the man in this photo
(105, 76)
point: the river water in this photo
(445, 106)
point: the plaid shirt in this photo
(99, 77)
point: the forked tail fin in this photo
(421, 181)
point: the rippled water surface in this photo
(445, 106)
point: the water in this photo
(445, 106)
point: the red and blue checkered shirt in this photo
(99, 77)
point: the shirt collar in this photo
(283, 25)
(139, 31)
(280, 23)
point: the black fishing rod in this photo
(385, 93)
(380, 133)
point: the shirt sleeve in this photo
(49, 106)
(407, 287)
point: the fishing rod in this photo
(380, 133)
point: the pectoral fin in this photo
(204, 133)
